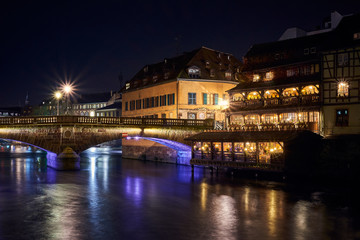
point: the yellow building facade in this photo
(190, 86)
(181, 99)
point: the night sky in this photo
(92, 42)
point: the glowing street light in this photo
(58, 96)
(68, 90)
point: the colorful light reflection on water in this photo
(111, 198)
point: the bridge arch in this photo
(57, 133)
(156, 149)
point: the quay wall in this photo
(336, 158)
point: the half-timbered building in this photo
(293, 83)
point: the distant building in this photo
(113, 107)
(189, 86)
(306, 79)
(87, 104)
(10, 111)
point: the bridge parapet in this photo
(163, 122)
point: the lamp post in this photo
(58, 96)
(67, 89)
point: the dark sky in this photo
(43, 42)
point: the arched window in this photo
(290, 92)
(237, 97)
(253, 96)
(308, 90)
(271, 94)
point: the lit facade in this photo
(306, 82)
(87, 104)
(341, 81)
(190, 86)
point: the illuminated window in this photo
(342, 117)
(290, 92)
(228, 75)
(308, 90)
(269, 76)
(155, 78)
(269, 118)
(127, 86)
(238, 97)
(343, 89)
(256, 77)
(343, 59)
(252, 119)
(356, 36)
(253, 96)
(288, 117)
(194, 72)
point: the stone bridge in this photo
(62, 135)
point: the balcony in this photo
(305, 100)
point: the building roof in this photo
(290, 51)
(205, 59)
(93, 97)
(116, 105)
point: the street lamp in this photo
(58, 96)
(67, 89)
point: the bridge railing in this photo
(106, 120)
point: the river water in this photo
(114, 198)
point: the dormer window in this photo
(146, 69)
(194, 72)
(313, 50)
(127, 86)
(207, 63)
(256, 77)
(306, 51)
(166, 75)
(155, 78)
(212, 73)
(228, 75)
(269, 76)
(356, 36)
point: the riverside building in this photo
(190, 86)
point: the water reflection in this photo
(113, 198)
